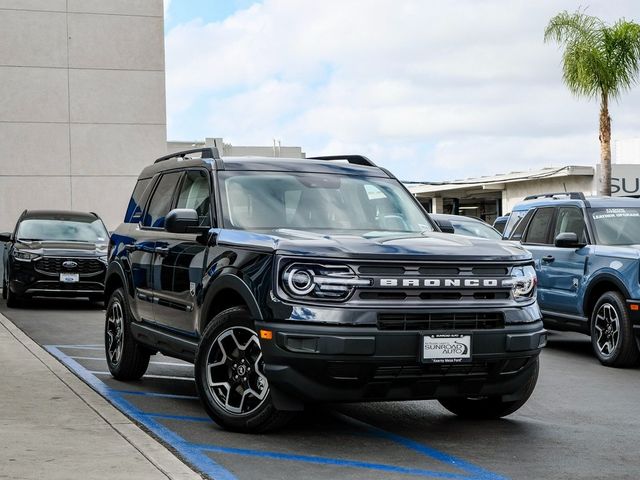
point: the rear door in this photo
(180, 257)
(142, 252)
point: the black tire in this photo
(492, 407)
(612, 336)
(13, 300)
(258, 414)
(96, 299)
(4, 288)
(127, 359)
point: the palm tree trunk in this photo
(605, 146)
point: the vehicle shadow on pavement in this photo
(569, 342)
(40, 303)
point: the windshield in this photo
(616, 226)
(91, 230)
(319, 202)
(475, 229)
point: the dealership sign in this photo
(625, 179)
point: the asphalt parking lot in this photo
(582, 422)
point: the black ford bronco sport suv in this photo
(293, 281)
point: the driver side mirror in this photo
(5, 237)
(568, 240)
(183, 220)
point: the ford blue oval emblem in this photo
(69, 264)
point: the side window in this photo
(522, 222)
(134, 210)
(570, 219)
(195, 194)
(160, 203)
(539, 226)
(513, 221)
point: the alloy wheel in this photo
(607, 326)
(115, 332)
(234, 371)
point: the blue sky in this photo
(432, 90)
(183, 11)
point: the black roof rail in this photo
(571, 195)
(355, 159)
(208, 152)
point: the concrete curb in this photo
(156, 453)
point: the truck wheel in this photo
(229, 374)
(127, 359)
(491, 407)
(13, 300)
(612, 335)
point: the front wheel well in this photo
(113, 283)
(595, 292)
(223, 300)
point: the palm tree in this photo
(599, 61)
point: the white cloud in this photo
(429, 89)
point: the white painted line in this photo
(171, 364)
(167, 377)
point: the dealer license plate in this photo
(69, 277)
(446, 348)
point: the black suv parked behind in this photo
(290, 281)
(55, 253)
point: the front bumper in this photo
(333, 363)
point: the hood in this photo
(425, 246)
(63, 248)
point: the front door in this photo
(536, 240)
(180, 258)
(564, 269)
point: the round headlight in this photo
(321, 282)
(300, 281)
(524, 282)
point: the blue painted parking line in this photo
(334, 462)
(182, 418)
(194, 456)
(155, 394)
(196, 453)
(478, 472)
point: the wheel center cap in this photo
(242, 370)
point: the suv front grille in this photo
(440, 321)
(422, 284)
(53, 265)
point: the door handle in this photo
(162, 251)
(138, 247)
(548, 258)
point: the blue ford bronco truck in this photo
(293, 281)
(587, 257)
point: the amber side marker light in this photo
(635, 307)
(266, 334)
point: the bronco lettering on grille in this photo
(442, 282)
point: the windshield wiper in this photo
(26, 241)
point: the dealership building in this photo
(492, 196)
(83, 110)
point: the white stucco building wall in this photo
(82, 108)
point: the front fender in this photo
(229, 281)
(609, 275)
(115, 268)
